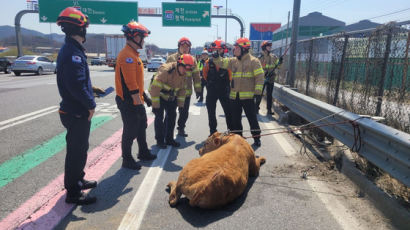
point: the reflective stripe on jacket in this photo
(193, 76)
(247, 77)
(169, 85)
(269, 61)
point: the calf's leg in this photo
(174, 194)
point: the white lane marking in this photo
(284, 144)
(340, 213)
(195, 110)
(136, 211)
(27, 115)
(27, 119)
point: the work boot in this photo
(257, 142)
(270, 112)
(146, 156)
(182, 133)
(87, 184)
(130, 163)
(173, 143)
(161, 145)
(80, 199)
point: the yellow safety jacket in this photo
(247, 77)
(269, 61)
(169, 85)
(192, 76)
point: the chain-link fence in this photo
(365, 72)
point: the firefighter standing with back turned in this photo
(246, 84)
(168, 90)
(77, 104)
(184, 47)
(218, 79)
(129, 85)
(269, 63)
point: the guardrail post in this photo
(340, 74)
(384, 72)
(309, 66)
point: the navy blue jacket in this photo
(73, 79)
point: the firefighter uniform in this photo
(129, 79)
(218, 79)
(168, 90)
(74, 86)
(247, 81)
(193, 78)
(269, 62)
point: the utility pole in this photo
(226, 20)
(293, 42)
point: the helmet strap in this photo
(137, 43)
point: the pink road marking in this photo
(47, 207)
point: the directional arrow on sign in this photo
(206, 13)
(44, 18)
(103, 20)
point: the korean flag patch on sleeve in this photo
(129, 60)
(76, 59)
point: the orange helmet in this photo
(243, 43)
(73, 16)
(218, 44)
(266, 43)
(186, 60)
(184, 40)
(133, 29)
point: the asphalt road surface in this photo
(32, 163)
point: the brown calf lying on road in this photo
(220, 175)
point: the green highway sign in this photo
(186, 14)
(98, 12)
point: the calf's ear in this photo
(217, 141)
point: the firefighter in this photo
(218, 79)
(129, 86)
(246, 84)
(200, 66)
(77, 104)
(269, 63)
(184, 47)
(168, 90)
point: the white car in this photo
(33, 64)
(155, 64)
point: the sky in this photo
(251, 11)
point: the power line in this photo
(389, 14)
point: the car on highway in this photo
(5, 65)
(33, 64)
(154, 64)
(98, 61)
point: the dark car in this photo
(98, 61)
(5, 65)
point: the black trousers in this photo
(78, 132)
(269, 90)
(134, 119)
(183, 114)
(211, 99)
(203, 84)
(236, 109)
(164, 128)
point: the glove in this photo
(97, 91)
(147, 99)
(280, 60)
(257, 97)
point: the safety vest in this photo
(217, 78)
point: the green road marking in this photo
(19, 165)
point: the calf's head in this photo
(211, 143)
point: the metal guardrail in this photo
(385, 147)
